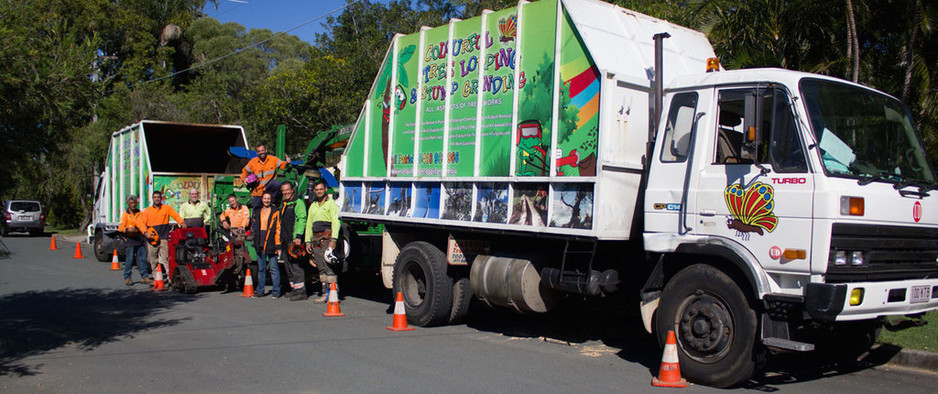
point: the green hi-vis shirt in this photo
(325, 212)
(200, 209)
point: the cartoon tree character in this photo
(532, 154)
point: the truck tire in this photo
(714, 324)
(100, 248)
(462, 296)
(420, 274)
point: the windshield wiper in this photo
(923, 188)
(868, 179)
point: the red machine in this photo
(195, 261)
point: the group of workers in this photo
(281, 232)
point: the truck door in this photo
(666, 196)
(759, 197)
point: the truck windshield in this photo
(864, 134)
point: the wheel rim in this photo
(414, 284)
(704, 327)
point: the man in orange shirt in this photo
(264, 167)
(236, 219)
(157, 217)
(133, 241)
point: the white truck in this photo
(154, 155)
(573, 146)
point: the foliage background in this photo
(75, 71)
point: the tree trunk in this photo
(853, 44)
(910, 51)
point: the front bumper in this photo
(831, 302)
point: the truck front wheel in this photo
(100, 248)
(420, 274)
(714, 324)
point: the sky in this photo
(276, 15)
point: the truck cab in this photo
(815, 193)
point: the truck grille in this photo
(890, 253)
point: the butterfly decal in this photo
(751, 209)
(508, 28)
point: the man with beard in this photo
(157, 217)
(292, 226)
(264, 168)
(322, 229)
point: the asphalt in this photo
(71, 325)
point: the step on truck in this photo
(166, 156)
(576, 147)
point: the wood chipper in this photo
(196, 261)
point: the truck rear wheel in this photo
(100, 248)
(420, 274)
(714, 324)
(462, 297)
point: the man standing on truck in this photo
(264, 168)
(157, 217)
(322, 229)
(194, 212)
(292, 225)
(237, 220)
(266, 229)
(132, 230)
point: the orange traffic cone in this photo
(158, 278)
(115, 265)
(332, 308)
(400, 317)
(78, 251)
(52, 245)
(248, 284)
(670, 373)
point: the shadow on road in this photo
(786, 368)
(35, 322)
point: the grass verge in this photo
(918, 338)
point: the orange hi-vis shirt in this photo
(158, 218)
(265, 171)
(237, 217)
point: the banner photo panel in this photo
(491, 203)
(529, 205)
(427, 200)
(404, 106)
(497, 89)
(378, 127)
(374, 201)
(572, 205)
(457, 203)
(399, 199)
(578, 129)
(433, 95)
(466, 46)
(535, 109)
(352, 202)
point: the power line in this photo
(239, 50)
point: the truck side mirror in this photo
(751, 135)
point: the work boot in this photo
(128, 282)
(298, 295)
(146, 281)
(321, 299)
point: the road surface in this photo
(70, 325)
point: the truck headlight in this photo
(840, 257)
(856, 258)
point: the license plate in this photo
(920, 294)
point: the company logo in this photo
(775, 253)
(667, 206)
(917, 211)
(751, 209)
